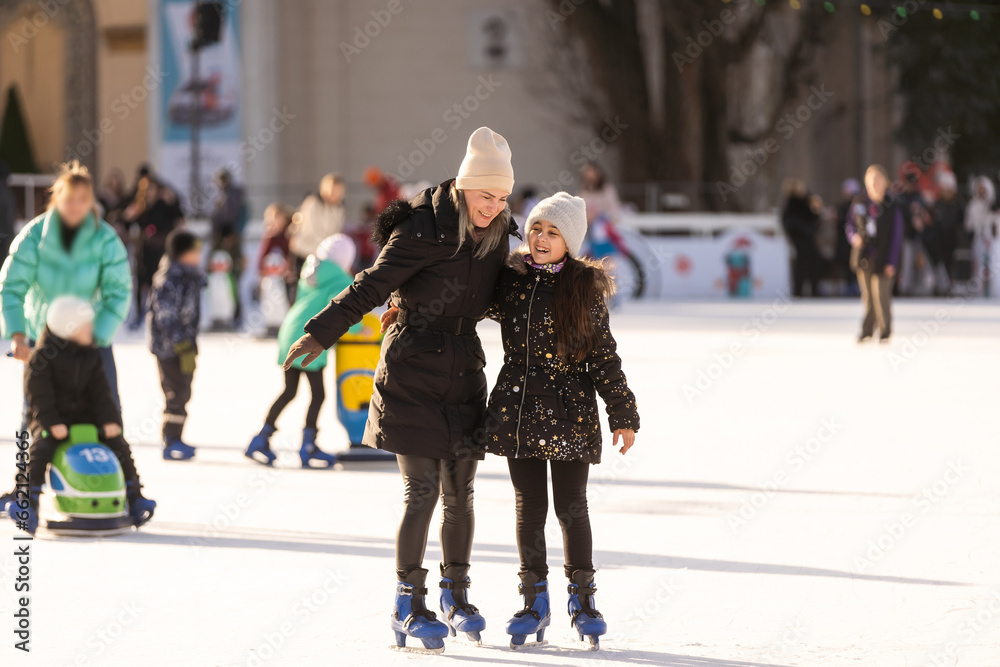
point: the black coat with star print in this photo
(543, 406)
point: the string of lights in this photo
(903, 8)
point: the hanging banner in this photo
(215, 92)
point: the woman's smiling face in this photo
(484, 205)
(545, 243)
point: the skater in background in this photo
(228, 220)
(66, 250)
(600, 195)
(981, 224)
(800, 221)
(277, 222)
(913, 260)
(8, 212)
(558, 349)
(152, 215)
(875, 231)
(174, 314)
(384, 187)
(321, 216)
(65, 384)
(941, 236)
(325, 275)
(441, 255)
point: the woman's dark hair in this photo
(581, 284)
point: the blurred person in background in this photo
(277, 222)
(151, 216)
(68, 250)
(941, 236)
(981, 224)
(112, 197)
(800, 221)
(875, 231)
(599, 194)
(913, 262)
(8, 212)
(385, 188)
(850, 194)
(228, 220)
(321, 215)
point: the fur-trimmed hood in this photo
(596, 270)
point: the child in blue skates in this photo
(558, 353)
(324, 276)
(174, 316)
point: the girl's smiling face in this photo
(484, 205)
(545, 243)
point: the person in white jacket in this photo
(320, 216)
(981, 221)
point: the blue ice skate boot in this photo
(4, 501)
(586, 620)
(140, 508)
(25, 518)
(261, 444)
(535, 617)
(410, 618)
(310, 451)
(176, 450)
(458, 614)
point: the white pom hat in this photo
(487, 163)
(567, 213)
(339, 249)
(66, 314)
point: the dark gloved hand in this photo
(308, 346)
(187, 354)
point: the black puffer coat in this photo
(65, 383)
(430, 388)
(543, 406)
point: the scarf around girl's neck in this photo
(552, 267)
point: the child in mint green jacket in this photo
(324, 276)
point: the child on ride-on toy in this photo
(65, 384)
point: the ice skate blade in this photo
(416, 649)
(518, 647)
(590, 643)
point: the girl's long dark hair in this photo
(580, 285)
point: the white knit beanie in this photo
(487, 163)
(339, 249)
(66, 314)
(567, 213)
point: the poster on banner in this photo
(216, 93)
(738, 264)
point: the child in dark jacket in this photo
(174, 314)
(65, 384)
(542, 414)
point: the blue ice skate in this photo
(458, 614)
(310, 451)
(586, 620)
(140, 508)
(261, 444)
(25, 518)
(410, 618)
(535, 617)
(176, 450)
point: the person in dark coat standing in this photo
(441, 255)
(558, 355)
(65, 384)
(174, 314)
(876, 236)
(801, 223)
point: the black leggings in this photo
(569, 495)
(424, 480)
(292, 386)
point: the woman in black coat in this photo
(441, 255)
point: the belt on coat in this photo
(457, 325)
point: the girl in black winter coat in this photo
(558, 354)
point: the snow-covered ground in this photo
(792, 499)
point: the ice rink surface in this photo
(792, 499)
